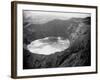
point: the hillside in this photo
(77, 30)
(52, 28)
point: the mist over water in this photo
(48, 45)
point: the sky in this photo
(41, 17)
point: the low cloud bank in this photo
(48, 45)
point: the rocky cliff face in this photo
(77, 30)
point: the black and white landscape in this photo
(56, 39)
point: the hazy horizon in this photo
(37, 17)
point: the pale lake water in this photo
(48, 45)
